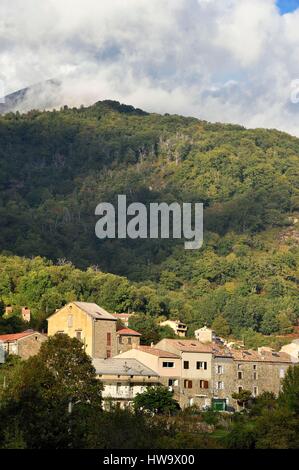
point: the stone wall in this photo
(30, 345)
(125, 343)
(101, 348)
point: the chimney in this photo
(26, 314)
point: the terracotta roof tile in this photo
(189, 345)
(16, 336)
(128, 332)
(250, 355)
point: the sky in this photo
(218, 60)
(287, 6)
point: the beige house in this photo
(205, 335)
(177, 326)
(24, 344)
(196, 370)
(292, 349)
(123, 379)
(127, 339)
(26, 314)
(166, 364)
(123, 317)
(89, 323)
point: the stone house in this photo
(24, 344)
(123, 379)
(223, 378)
(240, 369)
(89, 323)
(259, 371)
(127, 339)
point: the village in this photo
(204, 371)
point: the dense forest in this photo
(56, 167)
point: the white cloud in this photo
(220, 60)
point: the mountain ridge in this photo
(57, 166)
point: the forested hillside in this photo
(55, 167)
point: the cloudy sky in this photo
(220, 60)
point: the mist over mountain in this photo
(45, 95)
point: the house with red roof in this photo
(127, 339)
(23, 344)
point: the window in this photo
(240, 375)
(129, 340)
(219, 385)
(79, 335)
(204, 384)
(254, 366)
(240, 389)
(108, 353)
(108, 339)
(118, 387)
(187, 383)
(70, 321)
(186, 364)
(255, 391)
(219, 370)
(201, 365)
(168, 365)
(120, 340)
(254, 375)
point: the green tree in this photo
(289, 396)
(243, 397)
(46, 393)
(221, 326)
(166, 332)
(158, 400)
(147, 326)
(270, 323)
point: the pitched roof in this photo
(127, 332)
(95, 311)
(157, 352)
(122, 366)
(122, 315)
(190, 345)
(250, 355)
(16, 336)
